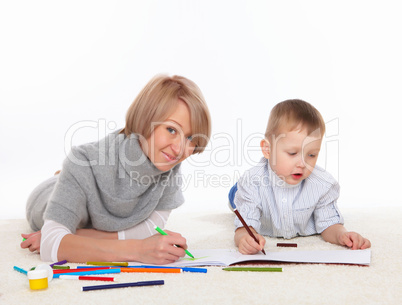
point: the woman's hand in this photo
(162, 249)
(32, 241)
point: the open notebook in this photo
(226, 257)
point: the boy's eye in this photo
(312, 155)
(190, 138)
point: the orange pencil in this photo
(153, 270)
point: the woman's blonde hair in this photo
(290, 115)
(157, 101)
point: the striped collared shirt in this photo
(277, 209)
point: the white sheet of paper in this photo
(226, 257)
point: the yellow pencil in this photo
(123, 264)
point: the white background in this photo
(71, 64)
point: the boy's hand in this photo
(337, 234)
(354, 240)
(247, 244)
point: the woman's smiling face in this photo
(170, 142)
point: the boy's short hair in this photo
(157, 101)
(290, 114)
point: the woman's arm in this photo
(137, 236)
(143, 230)
(96, 234)
(156, 249)
(146, 228)
(58, 243)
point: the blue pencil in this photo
(20, 270)
(199, 270)
(102, 271)
(123, 285)
(185, 269)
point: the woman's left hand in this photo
(32, 241)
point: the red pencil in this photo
(247, 228)
(87, 278)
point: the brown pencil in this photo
(247, 228)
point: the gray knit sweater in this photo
(111, 185)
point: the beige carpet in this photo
(381, 283)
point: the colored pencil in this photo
(96, 267)
(258, 269)
(123, 285)
(59, 263)
(198, 270)
(88, 272)
(185, 269)
(286, 245)
(87, 278)
(247, 228)
(20, 270)
(152, 270)
(81, 269)
(122, 264)
(164, 233)
(61, 267)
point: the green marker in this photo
(265, 269)
(164, 233)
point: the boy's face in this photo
(293, 154)
(170, 142)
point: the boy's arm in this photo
(337, 234)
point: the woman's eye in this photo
(171, 130)
(291, 153)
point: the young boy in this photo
(286, 194)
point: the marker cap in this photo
(48, 269)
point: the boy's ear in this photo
(265, 148)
